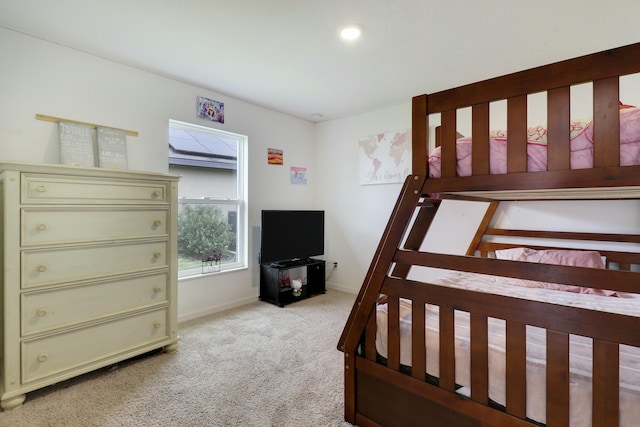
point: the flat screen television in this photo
(290, 235)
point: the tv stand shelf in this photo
(279, 282)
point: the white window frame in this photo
(240, 202)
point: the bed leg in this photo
(349, 388)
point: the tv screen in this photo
(288, 235)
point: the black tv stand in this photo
(291, 263)
(277, 284)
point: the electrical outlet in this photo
(335, 265)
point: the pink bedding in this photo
(590, 259)
(581, 147)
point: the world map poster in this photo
(384, 158)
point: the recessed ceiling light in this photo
(351, 32)
(316, 116)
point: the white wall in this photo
(38, 77)
(356, 215)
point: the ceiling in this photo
(286, 54)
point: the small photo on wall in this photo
(275, 156)
(210, 109)
(298, 175)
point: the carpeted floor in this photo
(258, 365)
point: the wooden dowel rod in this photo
(59, 119)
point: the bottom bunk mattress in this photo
(580, 347)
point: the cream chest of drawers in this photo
(88, 272)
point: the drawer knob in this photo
(157, 223)
(156, 324)
(157, 289)
(42, 312)
(157, 255)
(42, 227)
(157, 193)
(42, 268)
(41, 188)
(43, 357)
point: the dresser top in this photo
(88, 172)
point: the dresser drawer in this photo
(52, 189)
(72, 350)
(60, 265)
(49, 309)
(50, 226)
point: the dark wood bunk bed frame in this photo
(382, 393)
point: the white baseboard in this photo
(342, 288)
(249, 300)
(217, 309)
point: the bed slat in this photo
(567, 235)
(517, 134)
(482, 228)
(370, 337)
(447, 349)
(448, 161)
(393, 344)
(557, 379)
(419, 133)
(516, 348)
(606, 380)
(620, 176)
(606, 122)
(559, 134)
(479, 359)
(418, 348)
(579, 276)
(480, 135)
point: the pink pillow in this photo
(590, 259)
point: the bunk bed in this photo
(421, 349)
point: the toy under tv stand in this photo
(279, 280)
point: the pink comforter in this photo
(581, 147)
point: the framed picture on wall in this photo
(384, 158)
(210, 109)
(275, 156)
(298, 175)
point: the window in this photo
(212, 210)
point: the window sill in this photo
(199, 275)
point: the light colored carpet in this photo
(258, 365)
